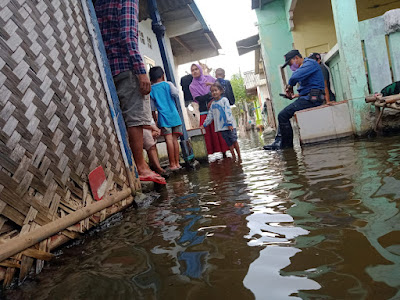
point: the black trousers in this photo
(285, 128)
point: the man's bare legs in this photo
(136, 142)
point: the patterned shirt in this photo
(118, 20)
(220, 112)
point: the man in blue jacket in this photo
(311, 93)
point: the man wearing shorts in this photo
(118, 20)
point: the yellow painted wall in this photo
(368, 9)
(314, 28)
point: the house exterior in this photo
(256, 82)
(60, 119)
(360, 39)
(188, 38)
(253, 83)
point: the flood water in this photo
(320, 222)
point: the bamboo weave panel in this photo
(55, 124)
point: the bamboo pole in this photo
(380, 98)
(387, 105)
(23, 242)
(62, 239)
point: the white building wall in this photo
(153, 53)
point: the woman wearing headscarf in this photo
(200, 90)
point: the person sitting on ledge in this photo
(308, 74)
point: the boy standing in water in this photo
(162, 94)
(220, 111)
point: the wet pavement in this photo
(320, 222)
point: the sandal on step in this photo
(154, 178)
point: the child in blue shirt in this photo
(162, 96)
(226, 85)
(220, 111)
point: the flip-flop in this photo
(153, 178)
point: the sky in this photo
(231, 21)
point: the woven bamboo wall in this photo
(55, 124)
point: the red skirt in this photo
(214, 140)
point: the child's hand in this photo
(230, 128)
(202, 127)
(156, 132)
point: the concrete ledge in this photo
(191, 133)
(147, 186)
(196, 137)
(195, 132)
(323, 123)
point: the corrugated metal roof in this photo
(164, 6)
(248, 45)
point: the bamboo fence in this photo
(55, 127)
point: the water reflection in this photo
(265, 280)
(320, 222)
(382, 219)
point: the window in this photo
(149, 43)
(149, 62)
(141, 37)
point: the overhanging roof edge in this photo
(248, 44)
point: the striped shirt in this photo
(118, 21)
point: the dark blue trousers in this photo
(285, 128)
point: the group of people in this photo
(118, 21)
(214, 97)
(141, 95)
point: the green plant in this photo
(239, 89)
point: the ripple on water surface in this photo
(320, 222)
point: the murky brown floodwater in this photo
(321, 222)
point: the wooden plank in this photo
(394, 42)
(4, 228)
(9, 264)
(8, 235)
(70, 234)
(26, 265)
(38, 254)
(43, 249)
(373, 34)
(14, 215)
